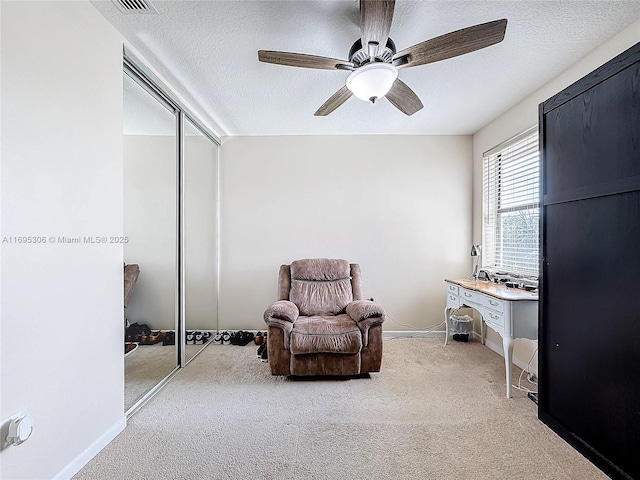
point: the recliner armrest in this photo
(282, 314)
(366, 314)
(361, 310)
(282, 310)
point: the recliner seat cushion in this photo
(325, 334)
(320, 286)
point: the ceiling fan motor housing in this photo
(360, 56)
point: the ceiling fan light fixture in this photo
(372, 81)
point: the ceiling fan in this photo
(374, 61)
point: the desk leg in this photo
(507, 344)
(482, 329)
(446, 326)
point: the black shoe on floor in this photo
(235, 337)
(245, 338)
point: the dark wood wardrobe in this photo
(589, 315)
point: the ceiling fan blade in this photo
(303, 60)
(403, 98)
(452, 44)
(334, 102)
(375, 21)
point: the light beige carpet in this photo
(434, 412)
(146, 366)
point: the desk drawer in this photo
(494, 304)
(471, 296)
(451, 288)
(453, 301)
(495, 320)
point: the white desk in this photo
(511, 312)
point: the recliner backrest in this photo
(284, 282)
(320, 286)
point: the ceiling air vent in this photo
(129, 7)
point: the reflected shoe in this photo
(153, 338)
(226, 337)
(135, 331)
(170, 338)
(190, 338)
(129, 348)
(261, 349)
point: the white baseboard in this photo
(81, 460)
(388, 335)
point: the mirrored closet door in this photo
(200, 237)
(150, 147)
(171, 224)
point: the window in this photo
(511, 204)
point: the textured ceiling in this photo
(208, 51)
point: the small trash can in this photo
(460, 326)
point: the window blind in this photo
(511, 204)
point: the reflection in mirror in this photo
(200, 180)
(150, 225)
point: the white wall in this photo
(525, 115)
(61, 165)
(400, 206)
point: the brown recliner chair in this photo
(321, 325)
